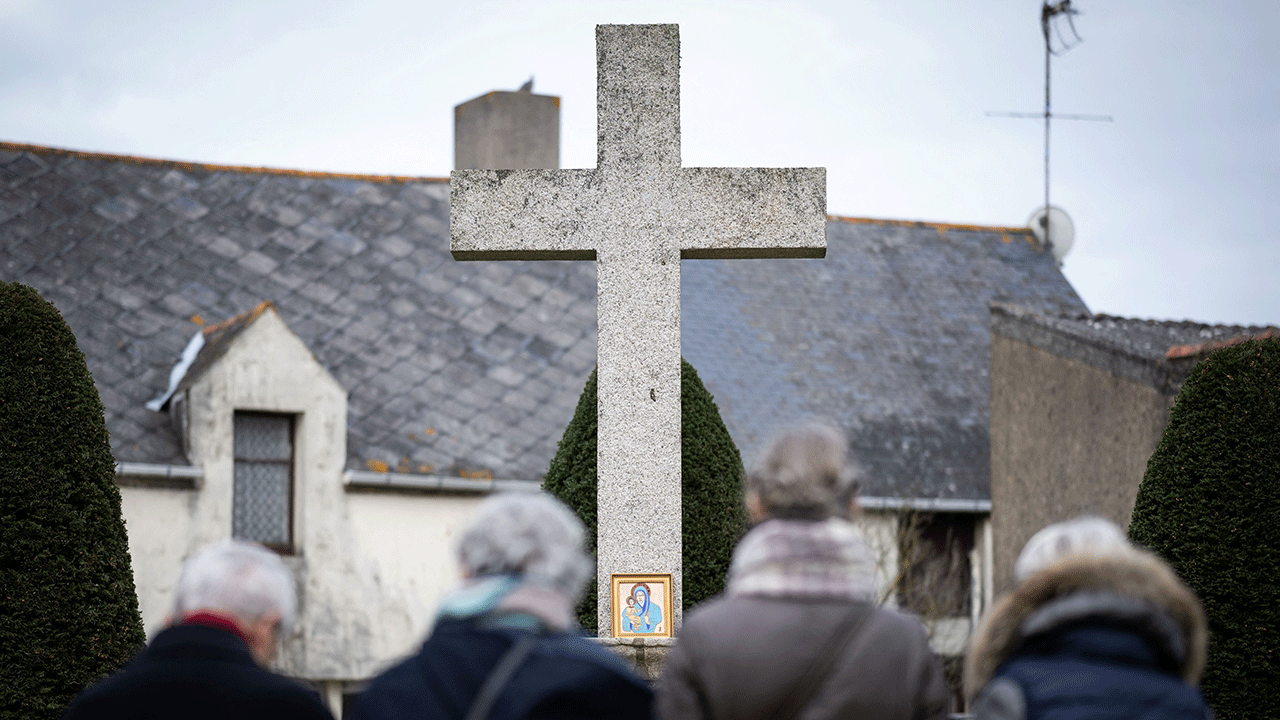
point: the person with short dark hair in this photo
(506, 645)
(232, 602)
(797, 631)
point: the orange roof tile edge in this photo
(1182, 351)
(933, 225)
(209, 167)
(244, 317)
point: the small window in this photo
(262, 495)
(935, 576)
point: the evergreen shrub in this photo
(712, 516)
(68, 610)
(1210, 505)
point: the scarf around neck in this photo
(803, 559)
(512, 597)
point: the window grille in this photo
(262, 494)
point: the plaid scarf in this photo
(803, 559)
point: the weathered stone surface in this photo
(637, 214)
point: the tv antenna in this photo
(1052, 18)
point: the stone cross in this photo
(637, 214)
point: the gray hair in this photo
(803, 474)
(1084, 535)
(238, 578)
(527, 534)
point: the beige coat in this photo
(737, 657)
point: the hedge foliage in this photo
(68, 610)
(1210, 505)
(712, 516)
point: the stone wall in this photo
(1067, 438)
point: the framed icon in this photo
(641, 605)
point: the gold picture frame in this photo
(641, 605)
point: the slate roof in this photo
(475, 368)
(886, 337)
(451, 367)
(1160, 353)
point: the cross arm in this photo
(522, 214)
(754, 212)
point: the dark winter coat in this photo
(197, 672)
(1092, 637)
(564, 676)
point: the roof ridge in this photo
(1070, 324)
(927, 224)
(244, 318)
(1181, 351)
(210, 167)
(1014, 309)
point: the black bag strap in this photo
(802, 692)
(500, 676)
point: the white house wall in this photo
(405, 544)
(881, 532)
(158, 521)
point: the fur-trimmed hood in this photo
(1137, 587)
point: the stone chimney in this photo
(507, 131)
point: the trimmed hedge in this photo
(712, 516)
(68, 610)
(1210, 505)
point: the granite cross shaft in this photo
(637, 214)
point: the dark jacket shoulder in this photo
(564, 676)
(1091, 637)
(197, 672)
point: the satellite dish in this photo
(1061, 232)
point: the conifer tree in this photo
(1210, 505)
(68, 610)
(712, 516)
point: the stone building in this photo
(295, 357)
(1078, 404)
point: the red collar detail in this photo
(213, 620)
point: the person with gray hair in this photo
(505, 645)
(232, 602)
(797, 631)
(1085, 535)
(1095, 627)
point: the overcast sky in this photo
(1174, 202)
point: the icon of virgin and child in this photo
(641, 615)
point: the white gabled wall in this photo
(371, 567)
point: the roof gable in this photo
(219, 338)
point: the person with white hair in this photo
(1095, 627)
(798, 632)
(505, 645)
(233, 601)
